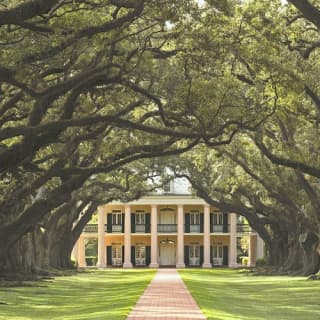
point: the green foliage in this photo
(245, 261)
(91, 247)
(261, 262)
(90, 91)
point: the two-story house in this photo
(168, 228)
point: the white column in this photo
(127, 237)
(252, 250)
(74, 253)
(101, 263)
(180, 238)
(81, 253)
(233, 241)
(260, 247)
(154, 237)
(206, 238)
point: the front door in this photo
(217, 255)
(167, 254)
(194, 255)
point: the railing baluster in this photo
(91, 228)
(167, 228)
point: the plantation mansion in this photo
(168, 228)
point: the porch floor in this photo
(166, 298)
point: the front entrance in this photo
(167, 252)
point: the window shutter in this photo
(201, 222)
(122, 254)
(211, 222)
(147, 222)
(186, 255)
(109, 222)
(122, 223)
(211, 257)
(133, 255)
(148, 255)
(133, 223)
(201, 255)
(225, 222)
(187, 222)
(225, 255)
(109, 255)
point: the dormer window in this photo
(168, 187)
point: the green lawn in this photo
(101, 294)
(224, 294)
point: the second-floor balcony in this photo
(91, 228)
(117, 228)
(140, 228)
(193, 228)
(167, 228)
(243, 228)
(196, 228)
(219, 228)
(114, 228)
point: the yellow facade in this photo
(181, 231)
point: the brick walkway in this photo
(166, 298)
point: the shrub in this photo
(245, 261)
(91, 261)
(261, 262)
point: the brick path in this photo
(166, 298)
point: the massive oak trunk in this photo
(310, 258)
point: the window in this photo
(167, 186)
(140, 252)
(140, 255)
(194, 218)
(116, 218)
(217, 255)
(217, 218)
(194, 255)
(140, 218)
(194, 251)
(116, 255)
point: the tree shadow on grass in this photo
(99, 294)
(226, 295)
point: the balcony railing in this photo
(195, 228)
(117, 228)
(217, 228)
(167, 228)
(243, 228)
(140, 228)
(163, 228)
(91, 228)
(220, 228)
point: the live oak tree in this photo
(89, 87)
(65, 100)
(85, 88)
(276, 56)
(274, 201)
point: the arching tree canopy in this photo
(92, 91)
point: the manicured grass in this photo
(92, 295)
(224, 294)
